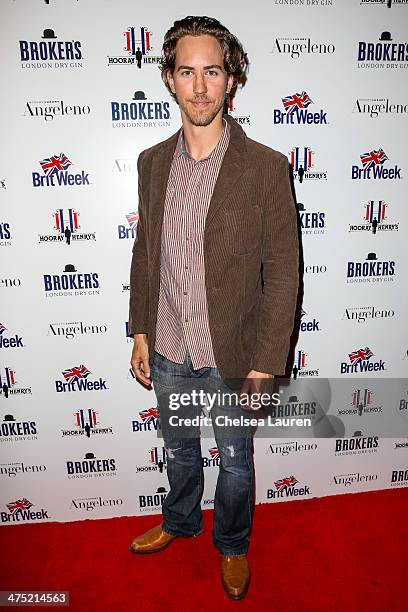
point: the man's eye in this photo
(186, 72)
(212, 72)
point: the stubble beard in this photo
(202, 118)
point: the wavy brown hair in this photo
(235, 59)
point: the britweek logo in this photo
(312, 223)
(364, 313)
(236, 114)
(49, 109)
(91, 503)
(66, 227)
(139, 112)
(300, 367)
(360, 362)
(370, 270)
(153, 501)
(55, 173)
(384, 53)
(355, 478)
(362, 403)
(373, 167)
(91, 467)
(213, 459)
(50, 52)
(5, 234)
(310, 325)
(296, 47)
(138, 49)
(148, 420)
(17, 431)
(356, 445)
(129, 231)
(374, 216)
(374, 107)
(9, 341)
(76, 379)
(15, 468)
(20, 511)
(86, 424)
(72, 330)
(9, 384)
(285, 487)
(71, 283)
(302, 162)
(295, 111)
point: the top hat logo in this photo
(357, 433)
(385, 36)
(89, 456)
(69, 268)
(48, 33)
(371, 257)
(9, 417)
(139, 95)
(161, 490)
(300, 206)
(292, 399)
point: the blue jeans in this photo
(233, 501)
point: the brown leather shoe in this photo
(235, 575)
(152, 541)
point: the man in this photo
(213, 286)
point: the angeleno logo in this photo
(49, 109)
(295, 47)
(374, 107)
(295, 111)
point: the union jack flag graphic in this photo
(289, 481)
(61, 222)
(55, 163)
(132, 219)
(132, 42)
(149, 414)
(361, 397)
(9, 379)
(86, 418)
(2, 328)
(18, 505)
(301, 157)
(373, 158)
(296, 101)
(214, 452)
(360, 355)
(76, 373)
(373, 210)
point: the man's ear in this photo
(170, 80)
(230, 82)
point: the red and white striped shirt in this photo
(182, 318)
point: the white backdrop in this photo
(68, 75)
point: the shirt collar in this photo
(221, 145)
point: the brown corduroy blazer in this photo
(251, 221)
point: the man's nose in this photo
(199, 85)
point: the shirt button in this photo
(185, 292)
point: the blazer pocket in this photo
(244, 230)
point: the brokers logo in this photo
(129, 231)
(20, 511)
(356, 445)
(5, 234)
(76, 380)
(152, 502)
(55, 173)
(371, 270)
(295, 111)
(148, 420)
(17, 431)
(71, 284)
(382, 54)
(9, 385)
(15, 341)
(90, 467)
(375, 213)
(364, 313)
(86, 422)
(50, 53)
(138, 49)
(374, 107)
(399, 478)
(75, 329)
(312, 223)
(139, 112)
(308, 326)
(301, 160)
(373, 167)
(213, 460)
(286, 487)
(49, 109)
(296, 47)
(66, 228)
(300, 368)
(359, 362)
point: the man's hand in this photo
(253, 384)
(140, 360)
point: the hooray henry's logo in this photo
(156, 461)
(86, 424)
(76, 379)
(129, 231)
(138, 49)
(360, 362)
(384, 53)
(236, 113)
(20, 510)
(71, 283)
(50, 52)
(300, 366)
(312, 223)
(370, 270)
(91, 467)
(285, 487)
(302, 162)
(295, 111)
(148, 420)
(9, 384)
(66, 227)
(140, 112)
(374, 217)
(372, 164)
(55, 173)
(9, 341)
(296, 47)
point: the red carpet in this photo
(340, 553)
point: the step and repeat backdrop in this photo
(82, 97)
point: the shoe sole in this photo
(236, 597)
(146, 552)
